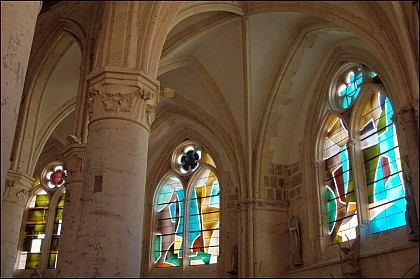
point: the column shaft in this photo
(12, 209)
(109, 241)
(74, 161)
(18, 21)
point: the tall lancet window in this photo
(187, 210)
(384, 181)
(359, 137)
(43, 220)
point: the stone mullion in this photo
(15, 197)
(357, 165)
(74, 161)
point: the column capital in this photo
(317, 163)
(18, 186)
(351, 142)
(406, 114)
(116, 93)
(74, 157)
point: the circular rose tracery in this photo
(186, 158)
(55, 177)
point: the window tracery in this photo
(374, 137)
(187, 210)
(43, 220)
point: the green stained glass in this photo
(52, 261)
(33, 260)
(54, 244)
(42, 201)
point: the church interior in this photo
(210, 139)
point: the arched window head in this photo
(54, 175)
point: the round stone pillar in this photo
(15, 196)
(18, 21)
(110, 233)
(74, 157)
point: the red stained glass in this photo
(57, 177)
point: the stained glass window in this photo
(169, 203)
(55, 239)
(377, 152)
(41, 211)
(35, 229)
(349, 87)
(386, 195)
(204, 220)
(339, 184)
(196, 239)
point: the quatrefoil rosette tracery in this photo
(187, 158)
(54, 176)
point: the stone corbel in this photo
(317, 163)
(18, 188)
(351, 143)
(74, 157)
(407, 114)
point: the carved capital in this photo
(74, 157)
(317, 163)
(351, 143)
(406, 115)
(18, 186)
(122, 94)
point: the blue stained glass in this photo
(214, 199)
(164, 196)
(388, 203)
(379, 186)
(195, 228)
(352, 90)
(345, 166)
(180, 195)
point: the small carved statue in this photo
(349, 260)
(234, 261)
(294, 239)
(36, 273)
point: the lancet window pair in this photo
(360, 137)
(43, 220)
(187, 210)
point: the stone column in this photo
(74, 157)
(407, 122)
(121, 108)
(18, 21)
(14, 199)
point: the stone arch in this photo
(47, 60)
(193, 63)
(372, 32)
